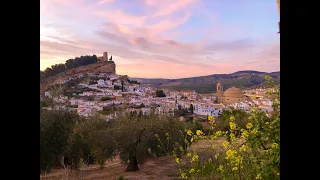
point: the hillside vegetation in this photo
(70, 63)
(207, 84)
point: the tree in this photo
(55, 130)
(160, 93)
(191, 108)
(136, 134)
(122, 83)
(106, 98)
(116, 87)
(69, 64)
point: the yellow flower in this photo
(230, 153)
(249, 125)
(194, 158)
(244, 134)
(181, 148)
(191, 170)
(275, 145)
(213, 146)
(267, 123)
(220, 167)
(189, 132)
(225, 144)
(232, 137)
(243, 148)
(177, 160)
(259, 176)
(189, 155)
(239, 159)
(218, 133)
(234, 168)
(183, 175)
(216, 156)
(232, 118)
(254, 131)
(210, 118)
(199, 132)
(232, 125)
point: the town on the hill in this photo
(105, 93)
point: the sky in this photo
(163, 39)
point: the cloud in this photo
(119, 17)
(173, 6)
(106, 1)
(146, 37)
(112, 37)
(253, 62)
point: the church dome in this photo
(233, 92)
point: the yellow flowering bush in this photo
(242, 151)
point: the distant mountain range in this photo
(207, 84)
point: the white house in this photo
(108, 82)
(102, 75)
(207, 109)
(146, 111)
(114, 76)
(91, 75)
(80, 75)
(100, 82)
(266, 109)
(47, 94)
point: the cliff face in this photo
(108, 67)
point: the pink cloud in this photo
(119, 17)
(106, 1)
(175, 6)
(147, 45)
(168, 24)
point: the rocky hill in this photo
(107, 67)
(207, 84)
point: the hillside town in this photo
(89, 93)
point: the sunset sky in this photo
(163, 38)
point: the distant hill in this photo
(207, 84)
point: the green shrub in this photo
(106, 98)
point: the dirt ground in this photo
(162, 169)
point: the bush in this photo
(107, 98)
(160, 93)
(116, 87)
